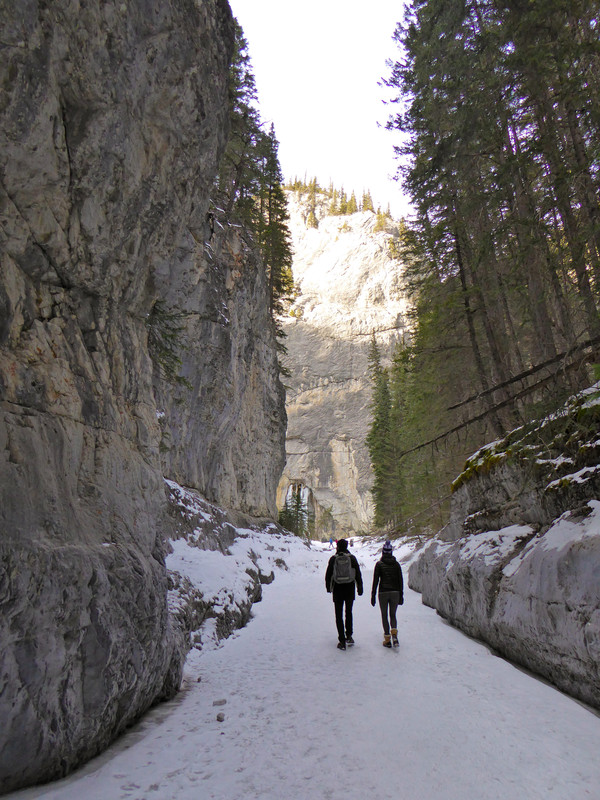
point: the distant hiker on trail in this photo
(388, 574)
(331, 542)
(342, 573)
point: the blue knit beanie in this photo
(387, 547)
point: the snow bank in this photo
(532, 596)
(217, 568)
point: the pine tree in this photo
(249, 186)
(484, 185)
(343, 202)
(501, 115)
(238, 179)
(273, 231)
(295, 515)
(379, 438)
(334, 207)
(367, 202)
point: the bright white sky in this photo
(317, 64)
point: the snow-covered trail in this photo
(441, 718)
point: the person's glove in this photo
(360, 591)
(402, 601)
(328, 591)
(373, 600)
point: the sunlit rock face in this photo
(350, 288)
(112, 120)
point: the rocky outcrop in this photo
(223, 430)
(113, 117)
(518, 564)
(532, 475)
(350, 288)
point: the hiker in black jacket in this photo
(388, 574)
(342, 573)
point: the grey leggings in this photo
(388, 600)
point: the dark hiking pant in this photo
(344, 626)
(388, 603)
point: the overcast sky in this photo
(317, 64)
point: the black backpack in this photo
(343, 571)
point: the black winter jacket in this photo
(388, 574)
(345, 589)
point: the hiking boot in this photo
(395, 637)
(349, 640)
(341, 645)
(386, 640)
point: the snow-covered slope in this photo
(441, 718)
(350, 288)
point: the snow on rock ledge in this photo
(217, 567)
(519, 564)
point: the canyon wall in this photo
(350, 289)
(223, 429)
(519, 562)
(112, 119)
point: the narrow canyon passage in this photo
(441, 718)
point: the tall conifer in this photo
(501, 123)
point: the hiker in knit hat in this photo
(388, 575)
(343, 572)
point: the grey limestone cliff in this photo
(112, 120)
(350, 289)
(224, 433)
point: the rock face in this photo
(224, 433)
(350, 288)
(519, 563)
(113, 117)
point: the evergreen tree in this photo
(481, 186)
(273, 231)
(343, 202)
(352, 205)
(381, 221)
(379, 438)
(334, 207)
(295, 516)
(239, 169)
(501, 122)
(313, 189)
(249, 185)
(286, 516)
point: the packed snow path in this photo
(440, 718)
